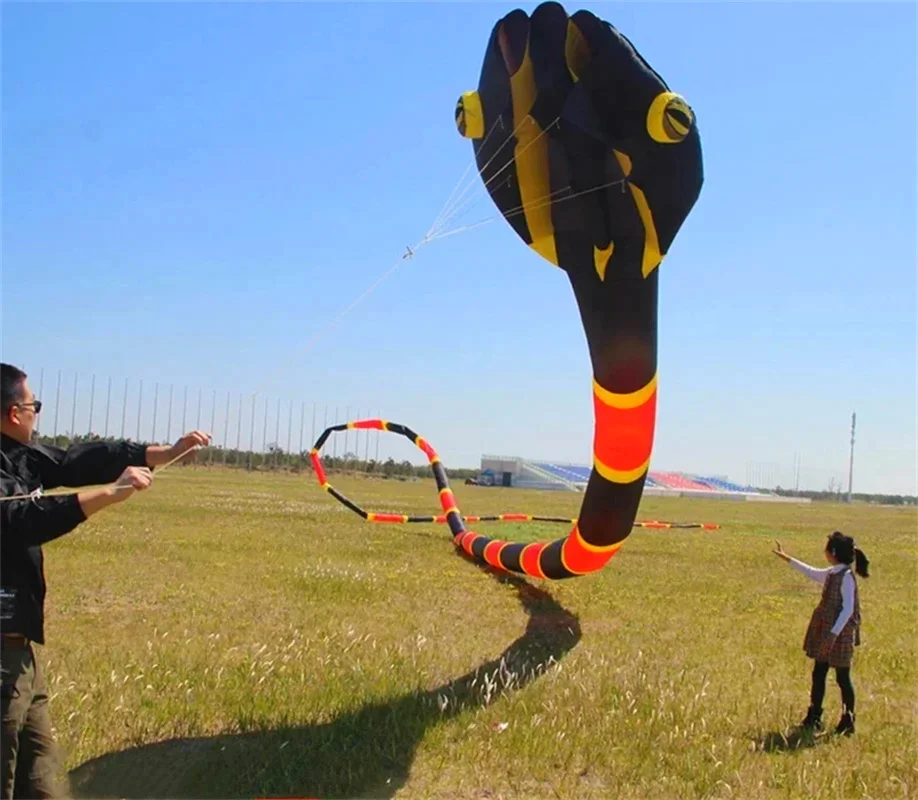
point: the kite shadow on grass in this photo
(367, 752)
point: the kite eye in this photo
(469, 116)
(669, 118)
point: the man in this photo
(29, 755)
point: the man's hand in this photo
(158, 455)
(133, 479)
(779, 551)
(189, 442)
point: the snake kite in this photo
(606, 166)
(595, 164)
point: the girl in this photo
(834, 629)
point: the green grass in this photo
(242, 635)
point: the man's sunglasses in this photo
(35, 404)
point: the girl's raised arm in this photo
(814, 574)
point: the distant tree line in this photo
(836, 495)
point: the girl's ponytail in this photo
(861, 563)
(846, 551)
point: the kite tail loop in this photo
(574, 555)
(449, 502)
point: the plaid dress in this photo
(824, 616)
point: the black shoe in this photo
(813, 719)
(845, 724)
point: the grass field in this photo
(241, 635)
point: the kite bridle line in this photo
(530, 206)
(458, 208)
(448, 210)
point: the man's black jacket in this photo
(25, 525)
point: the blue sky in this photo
(193, 191)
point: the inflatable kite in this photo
(446, 497)
(595, 164)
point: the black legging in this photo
(842, 676)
